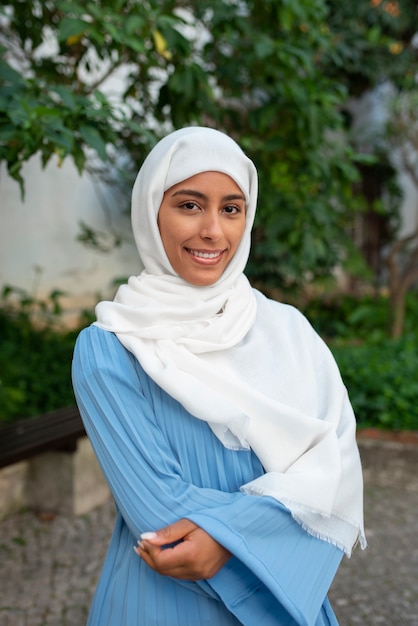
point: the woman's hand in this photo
(195, 557)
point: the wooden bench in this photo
(26, 438)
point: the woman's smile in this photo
(201, 222)
(206, 255)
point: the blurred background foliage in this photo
(381, 374)
(101, 81)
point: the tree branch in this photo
(109, 72)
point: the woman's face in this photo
(201, 222)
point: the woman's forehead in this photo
(205, 179)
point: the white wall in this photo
(41, 232)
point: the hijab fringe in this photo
(347, 548)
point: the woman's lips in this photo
(206, 257)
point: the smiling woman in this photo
(219, 416)
(201, 222)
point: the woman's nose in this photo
(211, 227)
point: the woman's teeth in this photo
(205, 255)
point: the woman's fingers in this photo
(170, 534)
(196, 555)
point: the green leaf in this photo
(79, 158)
(264, 46)
(134, 24)
(93, 138)
(9, 75)
(71, 27)
(7, 133)
(66, 96)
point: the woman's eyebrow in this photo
(234, 196)
(189, 192)
(198, 194)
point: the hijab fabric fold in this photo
(213, 349)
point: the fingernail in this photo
(149, 535)
(136, 550)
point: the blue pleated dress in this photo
(162, 464)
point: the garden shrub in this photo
(35, 366)
(35, 355)
(381, 375)
(365, 318)
(382, 382)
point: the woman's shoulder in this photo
(93, 335)
(286, 313)
(285, 324)
(96, 347)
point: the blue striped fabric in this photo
(161, 465)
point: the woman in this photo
(218, 416)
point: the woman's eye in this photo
(231, 210)
(189, 205)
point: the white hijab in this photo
(213, 349)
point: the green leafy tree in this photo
(286, 112)
(274, 74)
(285, 71)
(57, 62)
(374, 42)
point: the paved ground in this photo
(48, 569)
(379, 586)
